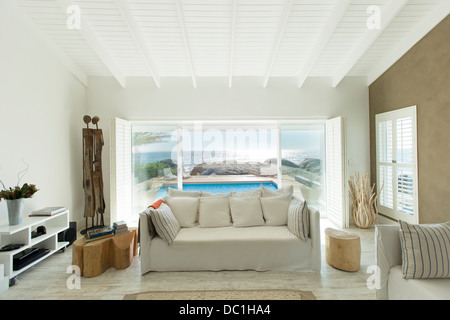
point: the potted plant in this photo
(15, 199)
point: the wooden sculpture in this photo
(94, 206)
(364, 201)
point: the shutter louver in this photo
(335, 176)
(121, 187)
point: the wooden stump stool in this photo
(342, 250)
(96, 257)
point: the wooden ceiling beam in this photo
(387, 15)
(138, 40)
(287, 12)
(187, 46)
(332, 23)
(232, 42)
(95, 44)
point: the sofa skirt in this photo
(261, 248)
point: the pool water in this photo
(220, 187)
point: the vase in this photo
(15, 210)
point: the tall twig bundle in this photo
(364, 201)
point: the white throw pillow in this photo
(184, 209)
(165, 223)
(214, 212)
(265, 192)
(246, 211)
(298, 219)
(425, 250)
(275, 210)
(180, 193)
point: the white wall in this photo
(41, 110)
(213, 99)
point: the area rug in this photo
(223, 295)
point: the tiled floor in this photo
(49, 279)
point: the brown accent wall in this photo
(422, 78)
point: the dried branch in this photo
(364, 200)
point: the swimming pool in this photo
(219, 187)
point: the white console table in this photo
(22, 234)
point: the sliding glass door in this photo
(302, 161)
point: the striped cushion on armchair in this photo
(425, 250)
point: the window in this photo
(154, 162)
(396, 145)
(149, 157)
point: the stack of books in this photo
(120, 227)
(48, 211)
(99, 233)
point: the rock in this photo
(169, 162)
(229, 169)
(311, 165)
(284, 162)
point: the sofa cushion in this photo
(298, 219)
(166, 225)
(184, 209)
(246, 211)
(425, 250)
(266, 192)
(275, 210)
(180, 193)
(214, 212)
(248, 193)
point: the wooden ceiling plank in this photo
(96, 45)
(138, 40)
(287, 12)
(50, 44)
(232, 43)
(326, 34)
(186, 41)
(387, 15)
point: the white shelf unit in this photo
(22, 234)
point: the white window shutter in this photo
(336, 173)
(121, 183)
(396, 143)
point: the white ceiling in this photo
(231, 38)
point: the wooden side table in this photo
(94, 258)
(342, 250)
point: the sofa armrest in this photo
(314, 234)
(145, 240)
(388, 254)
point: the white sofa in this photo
(262, 248)
(392, 284)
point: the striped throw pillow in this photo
(165, 223)
(298, 219)
(425, 250)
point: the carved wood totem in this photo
(94, 206)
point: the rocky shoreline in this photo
(268, 168)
